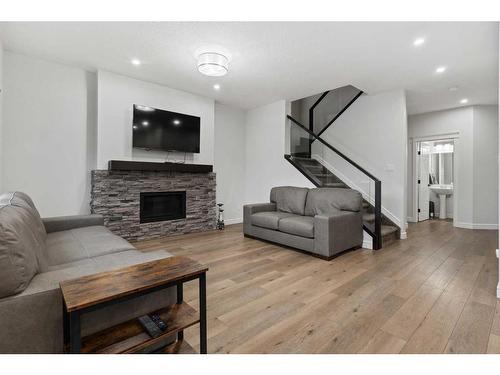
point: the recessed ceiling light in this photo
(440, 69)
(418, 42)
(464, 101)
(177, 122)
(135, 62)
(144, 108)
(145, 123)
(135, 127)
(216, 86)
(453, 88)
(213, 64)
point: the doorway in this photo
(435, 177)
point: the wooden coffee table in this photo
(96, 291)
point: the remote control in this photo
(151, 328)
(159, 322)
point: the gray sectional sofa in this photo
(36, 254)
(322, 221)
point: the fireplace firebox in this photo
(162, 206)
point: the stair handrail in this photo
(377, 233)
(319, 100)
(340, 113)
(342, 155)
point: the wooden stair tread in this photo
(368, 217)
(130, 336)
(335, 185)
(328, 174)
(388, 229)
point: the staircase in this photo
(382, 230)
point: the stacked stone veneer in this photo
(116, 196)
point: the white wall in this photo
(485, 165)
(373, 133)
(47, 133)
(475, 157)
(116, 96)
(266, 166)
(52, 138)
(230, 161)
(445, 124)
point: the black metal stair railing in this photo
(376, 231)
(329, 106)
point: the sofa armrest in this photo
(60, 223)
(250, 209)
(337, 232)
(258, 207)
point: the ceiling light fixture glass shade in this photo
(213, 64)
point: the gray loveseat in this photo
(36, 254)
(323, 221)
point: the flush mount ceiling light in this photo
(418, 42)
(216, 86)
(464, 101)
(135, 62)
(213, 64)
(440, 69)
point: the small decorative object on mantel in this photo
(220, 216)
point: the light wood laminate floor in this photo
(432, 293)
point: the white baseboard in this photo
(367, 244)
(352, 185)
(403, 236)
(367, 241)
(475, 226)
(411, 219)
(233, 221)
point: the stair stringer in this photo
(365, 195)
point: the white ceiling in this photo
(272, 61)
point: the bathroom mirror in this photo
(441, 168)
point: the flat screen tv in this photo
(156, 129)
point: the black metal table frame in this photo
(71, 320)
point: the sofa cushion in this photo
(325, 201)
(76, 263)
(18, 243)
(81, 243)
(298, 225)
(33, 221)
(127, 258)
(289, 199)
(268, 219)
(50, 280)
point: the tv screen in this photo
(156, 129)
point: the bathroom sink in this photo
(442, 189)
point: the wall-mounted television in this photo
(156, 129)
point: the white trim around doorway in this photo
(413, 217)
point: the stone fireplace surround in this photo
(116, 196)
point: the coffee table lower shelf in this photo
(130, 337)
(178, 347)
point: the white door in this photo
(423, 159)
